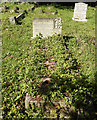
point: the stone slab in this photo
(47, 26)
(80, 12)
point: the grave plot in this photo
(80, 12)
(49, 88)
(44, 68)
(47, 26)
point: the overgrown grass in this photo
(20, 55)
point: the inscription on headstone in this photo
(47, 26)
(80, 12)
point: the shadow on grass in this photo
(66, 39)
(85, 110)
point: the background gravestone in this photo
(47, 26)
(80, 12)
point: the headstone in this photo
(47, 26)
(80, 12)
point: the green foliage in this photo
(24, 62)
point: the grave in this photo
(47, 26)
(80, 12)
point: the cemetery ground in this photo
(67, 62)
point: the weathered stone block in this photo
(47, 26)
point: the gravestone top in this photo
(80, 12)
(47, 26)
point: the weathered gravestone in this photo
(47, 26)
(80, 12)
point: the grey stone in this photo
(12, 20)
(80, 12)
(47, 26)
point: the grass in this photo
(79, 38)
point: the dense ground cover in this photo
(24, 61)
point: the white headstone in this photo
(47, 26)
(80, 12)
